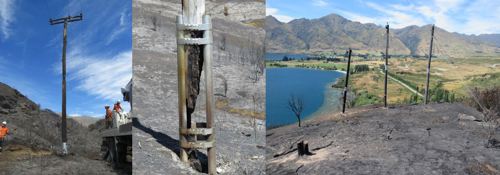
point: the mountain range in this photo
(336, 33)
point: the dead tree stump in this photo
(303, 148)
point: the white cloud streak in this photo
(7, 8)
(101, 76)
(275, 12)
(320, 3)
(473, 17)
(120, 29)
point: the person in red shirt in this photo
(108, 117)
(117, 107)
(4, 131)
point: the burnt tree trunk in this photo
(298, 118)
(195, 66)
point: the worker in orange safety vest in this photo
(108, 117)
(4, 131)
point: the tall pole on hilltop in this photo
(65, 21)
(347, 79)
(386, 67)
(429, 68)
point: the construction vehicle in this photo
(116, 145)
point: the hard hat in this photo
(118, 101)
(4, 122)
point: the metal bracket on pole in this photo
(202, 129)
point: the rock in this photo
(7, 106)
(4, 111)
(466, 117)
(493, 143)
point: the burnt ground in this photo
(422, 139)
(35, 143)
(19, 159)
(237, 60)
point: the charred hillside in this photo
(415, 139)
(41, 128)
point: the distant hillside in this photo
(86, 120)
(491, 38)
(334, 32)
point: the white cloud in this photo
(473, 17)
(122, 18)
(100, 76)
(6, 17)
(320, 3)
(396, 15)
(119, 29)
(275, 12)
(358, 17)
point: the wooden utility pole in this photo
(429, 68)
(346, 79)
(65, 21)
(386, 67)
(194, 52)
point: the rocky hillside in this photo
(334, 32)
(36, 137)
(238, 64)
(422, 139)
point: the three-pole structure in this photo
(429, 68)
(346, 79)
(65, 21)
(201, 135)
(386, 66)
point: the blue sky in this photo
(99, 56)
(462, 16)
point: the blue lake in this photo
(313, 86)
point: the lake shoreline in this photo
(330, 102)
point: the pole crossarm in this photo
(66, 19)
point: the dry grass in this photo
(457, 72)
(20, 152)
(259, 23)
(373, 83)
(482, 168)
(223, 104)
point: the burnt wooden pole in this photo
(65, 21)
(347, 79)
(386, 66)
(190, 25)
(429, 68)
